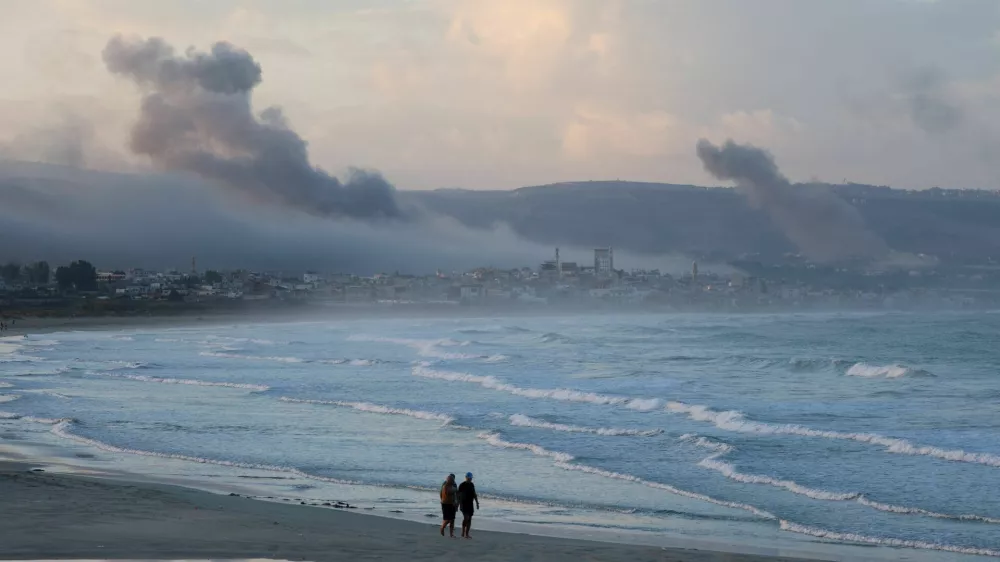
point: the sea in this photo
(849, 436)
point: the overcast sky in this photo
(504, 93)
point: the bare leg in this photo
(452, 524)
(443, 525)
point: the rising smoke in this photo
(197, 116)
(822, 225)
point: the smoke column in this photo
(197, 116)
(823, 226)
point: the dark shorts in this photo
(467, 512)
(448, 510)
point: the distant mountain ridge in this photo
(717, 222)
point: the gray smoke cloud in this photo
(197, 116)
(929, 105)
(822, 225)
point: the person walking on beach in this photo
(449, 504)
(467, 495)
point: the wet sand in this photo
(47, 515)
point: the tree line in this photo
(79, 275)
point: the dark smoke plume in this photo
(822, 225)
(929, 105)
(197, 117)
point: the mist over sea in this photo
(779, 430)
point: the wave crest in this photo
(520, 420)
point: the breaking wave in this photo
(520, 420)
(375, 409)
(712, 462)
(562, 394)
(8, 398)
(228, 355)
(424, 348)
(731, 420)
(883, 541)
(564, 461)
(894, 371)
(555, 337)
(192, 382)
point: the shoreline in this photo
(63, 515)
(152, 480)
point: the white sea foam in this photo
(8, 398)
(561, 394)
(375, 409)
(123, 338)
(496, 358)
(6, 385)
(731, 420)
(192, 382)
(868, 370)
(884, 541)
(526, 421)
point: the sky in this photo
(490, 94)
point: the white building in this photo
(604, 262)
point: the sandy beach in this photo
(47, 515)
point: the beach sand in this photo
(46, 515)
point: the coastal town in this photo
(80, 288)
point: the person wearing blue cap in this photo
(466, 497)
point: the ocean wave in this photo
(214, 338)
(229, 355)
(718, 450)
(424, 348)
(63, 429)
(130, 365)
(923, 512)
(17, 358)
(893, 371)
(555, 337)
(731, 420)
(9, 398)
(520, 420)
(42, 372)
(375, 409)
(32, 419)
(123, 338)
(497, 441)
(6, 385)
(192, 382)
(884, 541)
(497, 358)
(351, 362)
(704, 443)
(561, 394)
(729, 471)
(564, 461)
